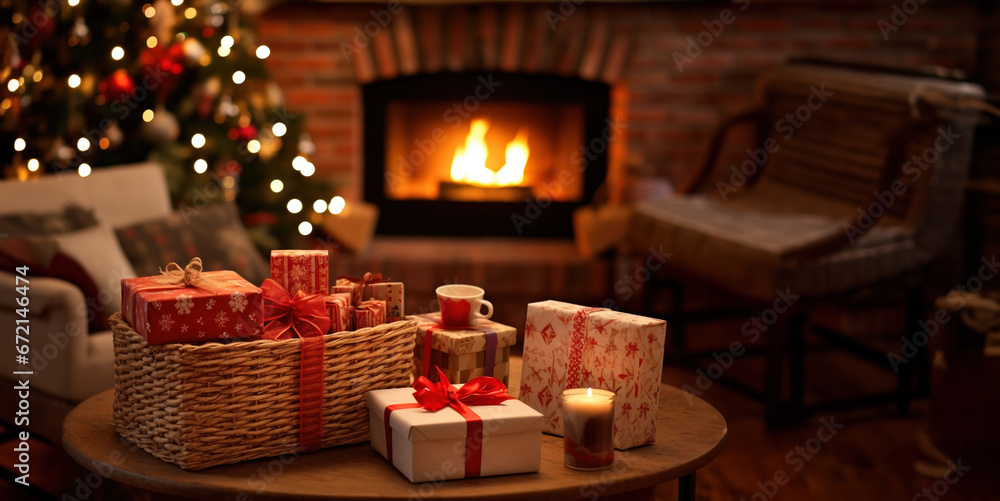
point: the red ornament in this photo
(243, 134)
(116, 86)
(38, 27)
(164, 65)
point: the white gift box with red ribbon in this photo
(435, 445)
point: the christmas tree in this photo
(92, 83)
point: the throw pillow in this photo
(215, 234)
(71, 218)
(99, 254)
(46, 257)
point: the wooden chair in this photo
(856, 182)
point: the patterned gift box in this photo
(462, 353)
(341, 312)
(392, 294)
(218, 305)
(369, 313)
(305, 270)
(571, 346)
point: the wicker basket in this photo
(204, 405)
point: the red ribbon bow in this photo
(359, 284)
(287, 316)
(482, 390)
(436, 396)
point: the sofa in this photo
(118, 222)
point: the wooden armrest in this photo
(694, 182)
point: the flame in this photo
(469, 164)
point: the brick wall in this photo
(319, 54)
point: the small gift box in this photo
(391, 293)
(571, 346)
(190, 305)
(301, 270)
(341, 311)
(463, 353)
(369, 313)
(442, 432)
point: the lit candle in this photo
(588, 428)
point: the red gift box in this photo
(301, 270)
(341, 311)
(184, 308)
(369, 313)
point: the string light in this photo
(305, 228)
(74, 81)
(294, 206)
(200, 166)
(104, 143)
(308, 169)
(117, 53)
(37, 77)
(227, 41)
(147, 116)
(84, 170)
(190, 13)
(176, 3)
(149, 11)
(253, 146)
(198, 140)
(239, 77)
(151, 41)
(73, 3)
(279, 129)
(13, 84)
(33, 164)
(19, 144)
(263, 51)
(277, 186)
(223, 51)
(319, 206)
(83, 144)
(337, 204)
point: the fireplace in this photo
(482, 153)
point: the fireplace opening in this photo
(482, 154)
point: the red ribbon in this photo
(286, 316)
(359, 284)
(436, 396)
(311, 394)
(577, 338)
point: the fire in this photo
(469, 165)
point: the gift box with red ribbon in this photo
(462, 353)
(301, 270)
(190, 305)
(437, 431)
(373, 286)
(572, 346)
(369, 313)
(338, 305)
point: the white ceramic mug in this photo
(462, 304)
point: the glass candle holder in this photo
(588, 428)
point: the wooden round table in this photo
(689, 434)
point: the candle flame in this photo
(590, 392)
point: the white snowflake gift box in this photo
(190, 305)
(572, 346)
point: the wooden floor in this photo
(871, 458)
